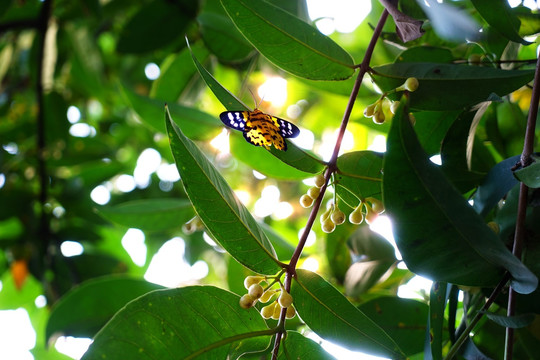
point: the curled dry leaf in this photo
(407, 28)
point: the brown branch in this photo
(519, 234)
(332, 167)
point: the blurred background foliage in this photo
(88, 185)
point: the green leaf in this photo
(297, 346)
(288, 42)
(448, 86)
(430, 54)
(294, 156)
(359, 176)
(403, 319)
(156, 25)
(222, 38)
(328, 313)
(514, 322)
(529, 175)
(431, 128)
(499, 15)
(86, 308)
(201, 322)
(263, 161)
(498, 181)
(149, 214)
(225, 217)
(177, 74)
(376, 256)
(437, 232)
(437, 303)
(196, 124)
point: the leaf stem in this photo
(331, 168)
(519, 234)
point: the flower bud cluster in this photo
(195, 224)
(257, 293)
(307, 199)
(332, 217)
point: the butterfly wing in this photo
(286, 128)
(234, 119)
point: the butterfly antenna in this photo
(257, 104)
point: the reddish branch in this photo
(331, 168)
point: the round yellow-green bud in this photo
(328, 226)
(277, 312)
(252, 279)
(378, 117)
(370, 110)
(411, 84)
(319, 180)
(376, 205)
(188, 228)
(290, 312)
(370, 214)
(356, 217)
(394, 107)
(306, 201)
(267, 296)
(494, 227)
(247, 301)
(338, 217)
(255, 291)
(285, 299)
(314, 192)
(268, 311)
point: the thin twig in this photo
(332, 167)
(465, 334)
(519, 235)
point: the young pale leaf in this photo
(224, 216)
(294, 156)
(288, 42)
(194, 322)
(499, 15)
(448, 86)
(327, 312)
(437, 232)
(403, 319)
(149, 214)
(85, 309)
(297, 346)
(359, 176)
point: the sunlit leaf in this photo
(403, 319)
(437, 232)
(225, 217)
(85, 309)
(270, 29)
(149, 214)
(201, 322)
(297, 346)
(498, 14)
(448, 86)
(327, 312)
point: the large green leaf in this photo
(294, 156)
(327, 312)
(86, 308)
(201, 322)
(359, 176)
(437, 232)
(530, 175)
(224, 216)
(297, 346)
(288, 42)
(403, 319)
(448, 86)
(196, 124)
(499, 15)
(438, 297)
(149, 214)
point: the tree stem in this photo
(519, 234)
(332, 167)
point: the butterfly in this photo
(261, 129)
